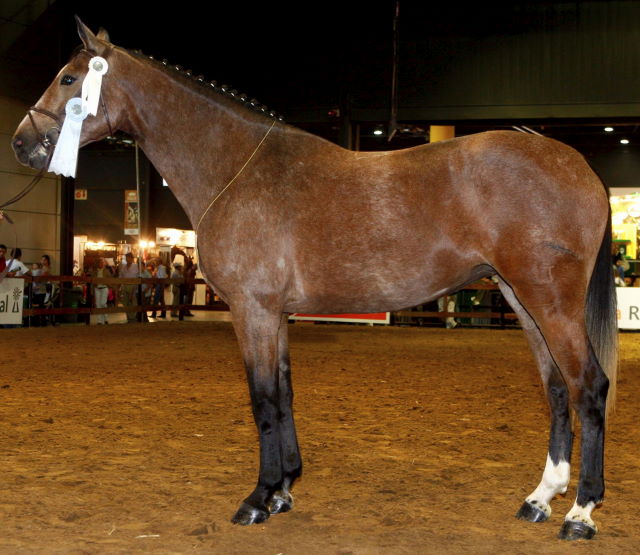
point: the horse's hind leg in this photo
(555, 478)
(558, 310)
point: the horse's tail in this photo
(601, 314)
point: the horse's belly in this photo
(378, 289)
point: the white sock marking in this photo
(582, 514)
(555, 480)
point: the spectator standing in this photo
(189, 284)
(100, 291)
(129, 269)
(3, 259)
(146, 289)
(43, 268)
(38, 293)
(175, 288)
(15, 267)
(158, 294)
(49, 288)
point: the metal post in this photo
(139, 316)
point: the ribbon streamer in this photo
(65, 155)
(93, 83)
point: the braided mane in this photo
(200, 84)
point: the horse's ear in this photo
(103, 34)
(90, 41)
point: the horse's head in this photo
(37, 134)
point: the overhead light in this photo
(624, 141)
(378, 132)
(608, 129)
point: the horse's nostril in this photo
(18, 143)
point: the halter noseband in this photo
(43, 138)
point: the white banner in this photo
(628, 308)
(11, 291)
(179, 237)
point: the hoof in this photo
(531, 513)
(281, 502)
(249, 515)
(576, 530)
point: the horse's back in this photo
(427, 218)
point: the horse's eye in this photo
(67, 80)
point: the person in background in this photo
(39, 292)
(189, 286)
(3, 259)
(45, 264)
(16, 267)
(129, 269)
(49, 288)
(100, 291)
(158, 294)
(146, 288)
(175, 288)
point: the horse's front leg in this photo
(282, 500)
(257, 330)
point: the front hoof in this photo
(281, 502)
(576, 530)
(249, 515)
(532, 513)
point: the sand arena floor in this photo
(139, 439)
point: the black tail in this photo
(601, 312)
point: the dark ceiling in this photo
(300, 59)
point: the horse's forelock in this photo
(75, 52)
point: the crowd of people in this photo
(132, 294)
(103, 294)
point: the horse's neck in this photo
(196, 142)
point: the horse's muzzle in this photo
(31, 153)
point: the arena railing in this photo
(76, 290)
(67, 291)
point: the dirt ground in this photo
(139, 439)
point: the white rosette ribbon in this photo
(92, 83)
(65, 155)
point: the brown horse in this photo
(288, 222)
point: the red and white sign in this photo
(372, 318)
(81, 194)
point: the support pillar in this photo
(441, 133)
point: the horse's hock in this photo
(415, 440)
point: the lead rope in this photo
(235, 176)
(5, 216)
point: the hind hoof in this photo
(576, 530)
(532, 513)
(281, 502)
(247, 515)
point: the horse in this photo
(289, 222)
